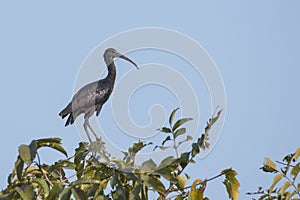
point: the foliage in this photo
(286, 183)
(98, 176)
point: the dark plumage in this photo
(91, 97)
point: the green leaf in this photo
(166, 173)
(231, 183)
(195, 149)
(179, 132)
(25, 154)
(55, 191)
(59, 148)
(153, 183)
(167, 139)
(172, 116)
(85, 181)
(65, 194)
(136, 147)
(43, 184)
(65, 164)
(180, 122)
(43, 141)
(269, 166)
(184, 159)
(134, 194)
(276, 179)
(187, 176)
(33, 149)
(211, 122)
(54, 143)
(185, 156)
(166, 162)
(19, 165)
(79, 194)
(188, 137)
(80, 153)
(27, 193)
(148, 165)
(165, 130)
(161, 147)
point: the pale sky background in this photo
(255, 45)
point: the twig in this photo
(44, 174)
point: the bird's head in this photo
(112, 53)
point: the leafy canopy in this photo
(98, 176)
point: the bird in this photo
(91, 97)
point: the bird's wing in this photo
(90, 95)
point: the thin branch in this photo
(286, 164)
(44, 174)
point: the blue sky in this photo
(255, 45)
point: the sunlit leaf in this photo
(295, 171)
(85, 181)
(269, 166)
(297, 154)
(195, 193)
(181, 182)
(283, 188)
(276, 179)
(231, 183)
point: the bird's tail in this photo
(70, 120)
(67, 111)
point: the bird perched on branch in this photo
(91, 97)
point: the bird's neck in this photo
(111, 76)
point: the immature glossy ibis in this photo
(91, 97)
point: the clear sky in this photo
(255, 45)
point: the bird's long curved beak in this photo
(125, 58)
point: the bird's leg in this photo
(85, 125)
(90, 127)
